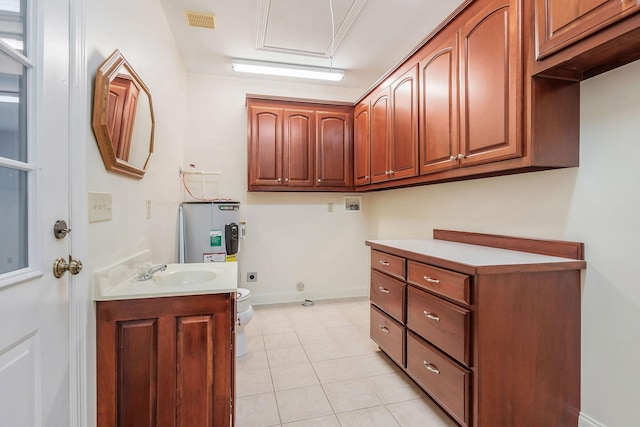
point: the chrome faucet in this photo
(148, 274)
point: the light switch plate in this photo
(99, 207)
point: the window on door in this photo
(16, 168)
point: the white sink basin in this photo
(184, 277)
(176, 280)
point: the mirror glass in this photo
(123, 121)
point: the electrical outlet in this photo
(252, 277)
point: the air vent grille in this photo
(199, 19)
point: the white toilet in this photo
(245, 313)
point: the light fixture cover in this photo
(287, 70)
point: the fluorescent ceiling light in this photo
(287, 70)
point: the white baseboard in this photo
(301, 296)
(587, 421)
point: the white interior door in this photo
(34, 194)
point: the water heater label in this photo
(218, 257)
(215, 238)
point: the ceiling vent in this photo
(199, 19)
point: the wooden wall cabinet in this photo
(394, 127)
(481, 112)
(166, 361)
(362, 144)
(297, 146)
(560, 23)
(477, 329)
(578, 39)
(333, 155)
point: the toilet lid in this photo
(243, 294)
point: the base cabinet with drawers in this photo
(488, 326)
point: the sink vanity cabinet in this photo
(488, 326)
(166, 361)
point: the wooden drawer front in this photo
(388, 334)
(388, 294)
(445, 282)
(442, 323)
(444, 380)
(390, 264)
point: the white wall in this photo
(142, 35)
(597, 204)
(291, 238)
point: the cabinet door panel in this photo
(362, 145)
(404, 126)
(439, 107)
(265, 146)
(490, 82)
(298, 145)
(333, 154)
(137, 373)
(561, 23)
(194, 370)
(379, 137)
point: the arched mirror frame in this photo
(105, 74)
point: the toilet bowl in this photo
(245, 313)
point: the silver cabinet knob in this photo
(461, 156)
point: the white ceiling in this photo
(371, 36)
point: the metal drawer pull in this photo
(384, 329)
(383, 290)
(385, 263)
(429, 279)
(431, 316)
(431, 367)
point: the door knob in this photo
(61, 266)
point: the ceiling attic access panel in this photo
(304, 27)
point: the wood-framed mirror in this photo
(123, 120)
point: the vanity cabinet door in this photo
(166, 361)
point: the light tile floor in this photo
(315, 366)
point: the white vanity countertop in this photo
(473, 258)
(176, 280)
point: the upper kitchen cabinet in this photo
(482, 112)
(334, 165)
(361, 144)
(578, 39)
(394, 127)
(490, 83)
(439, 126)
(298, 146)
(473, 119)
(265, 145)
